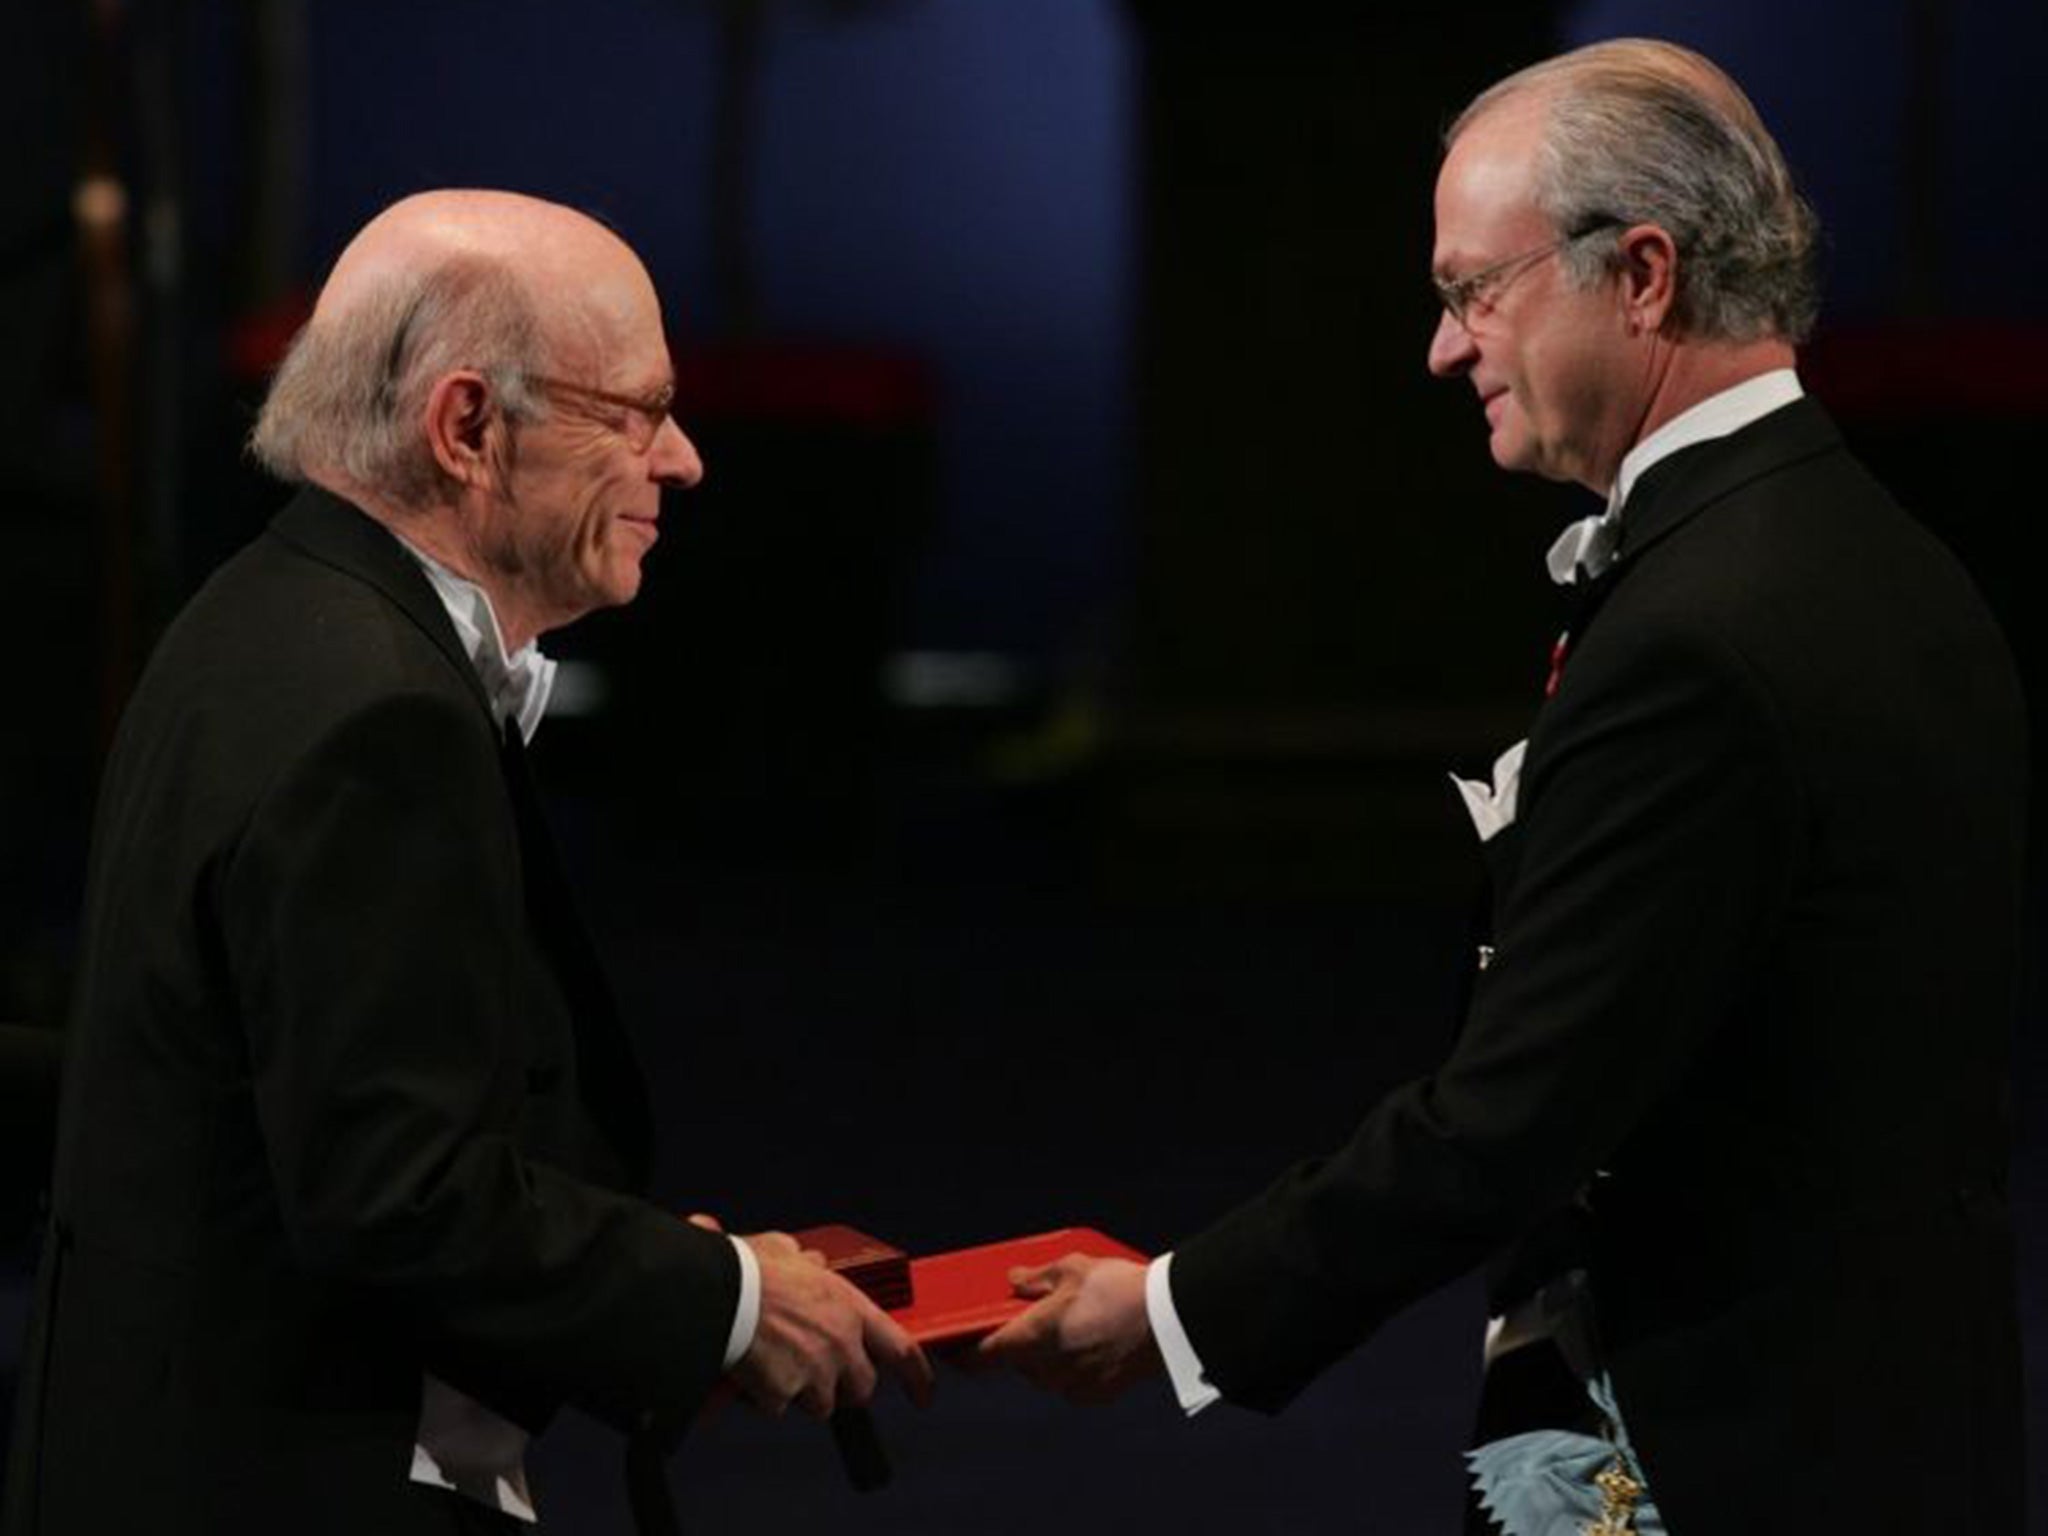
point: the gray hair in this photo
(1638, 131)
(349, 395)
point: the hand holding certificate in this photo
(1065, 1308)
(820, 1341)
(1056, 1305)
(1086, 1334)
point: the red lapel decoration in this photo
(1558, 652)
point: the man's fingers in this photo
(889, 1346)
(911, 1366)
(1036, 1280)
(707, 1222)
(778, 1245)
(768, 1393)
(822, 1344)
(1086, 1338)
(857, 1383)
(1022, 1336)
(819, 1396)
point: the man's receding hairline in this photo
(1536, 97)
(1603, 67)
(525, 238)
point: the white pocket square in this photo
(1493, 805)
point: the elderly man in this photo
(1727, 1109)
(343, 1210)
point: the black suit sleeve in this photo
(1657, 824)
(373, 920)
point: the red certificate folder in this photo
(962, 1295)
(950, 1298)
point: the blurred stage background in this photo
(1017, 798)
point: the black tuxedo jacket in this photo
(1756, 937)
(346, 1099)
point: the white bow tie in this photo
(1587, 547)
(518, 687)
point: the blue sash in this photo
(1541, 1483)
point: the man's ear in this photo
(1649, 276)
(461, 415)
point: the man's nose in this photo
(1451, 350)
(675, 460)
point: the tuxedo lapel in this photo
(323, 527)
(1676, 489)
(611, 1081)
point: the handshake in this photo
(821, 1343)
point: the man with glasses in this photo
(345, 1206)
(1725, 1117)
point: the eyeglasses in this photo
(1481, 290)
(636, 418)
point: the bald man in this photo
(345, 1200)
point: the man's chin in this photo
(608, 589)
(623, 584)
(1511, 451)
(1514, 452)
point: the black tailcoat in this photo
(1756, 941)
(346, 1099)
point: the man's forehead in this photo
(612, 323)
(1485, 193)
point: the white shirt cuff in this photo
(747, 1316)
(1183, 1365)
